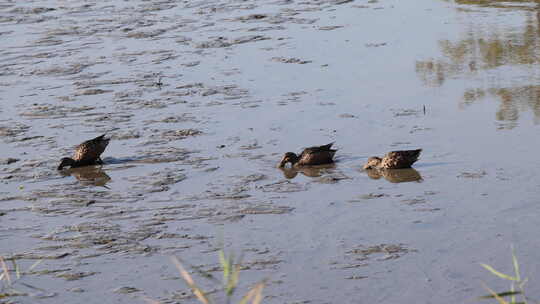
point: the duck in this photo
(86, 154)
(393, 160)
(312, 156)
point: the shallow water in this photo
(201, 99)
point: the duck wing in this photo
(317, 155)
(90, 150)
(316, 149)
(400, 159)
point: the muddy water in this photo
(201, 98)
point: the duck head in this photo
(372, 163)
(66, 161)
(288, 157)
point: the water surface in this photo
(201, 99)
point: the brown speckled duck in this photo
(87, 153)
(394, 160)
(310, 156)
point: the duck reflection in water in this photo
(311, 171)
(396, 175)
(89, 175)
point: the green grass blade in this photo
(235, 275)
(516, 265)
(35, 265)
(225, 265)
(513, 297)
(232, 281)
(501, 294)
(499, 274)
(16, 268)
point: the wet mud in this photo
(202, 98)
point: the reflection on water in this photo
(396, 175)
(512, 100)
(312, 171)
(496, 53)
(90, 175)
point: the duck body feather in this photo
(318, 155)
(394, 160)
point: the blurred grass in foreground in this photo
(517, 284)
(7, 282)
(229, 283)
